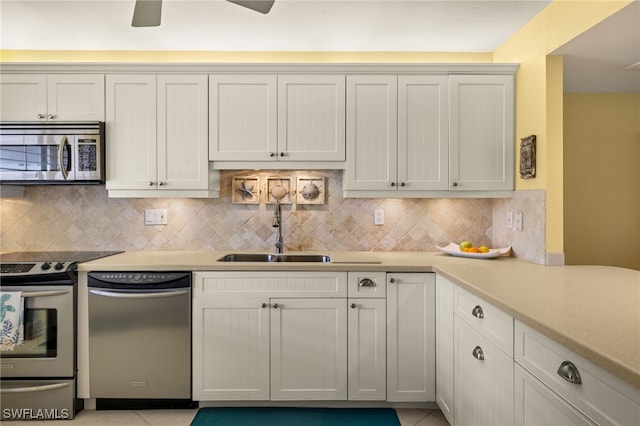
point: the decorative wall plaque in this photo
(310, 190)
(281, 184)
(528, 157)
(246, 190)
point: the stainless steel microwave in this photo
(39, 153)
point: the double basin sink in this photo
(265, 257)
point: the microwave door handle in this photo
(63, 143)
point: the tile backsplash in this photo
(84, 218)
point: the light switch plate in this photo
(155, 216)
(518, 221)
(378, 217)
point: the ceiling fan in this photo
(147, 13)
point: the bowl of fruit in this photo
(467, 249)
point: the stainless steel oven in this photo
(38, 376)
(52, 152)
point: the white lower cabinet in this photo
(411, 337)
(483, 388)
(444, 346)
(536, 404)
(270, 335)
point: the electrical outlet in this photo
(518, 221)
(509, 220)
(155, 216)
(378, 217)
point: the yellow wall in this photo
(539, 93)
(602, 179)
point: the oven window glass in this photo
(40, 335)
(32, 158)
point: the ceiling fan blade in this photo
(147, 13)
(262, 6)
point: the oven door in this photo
(48, 349)
(37, 157)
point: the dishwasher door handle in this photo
(146, 295)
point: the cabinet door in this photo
(311, 118)
(367, 366)
(444, 346)
(423, 133)
(483, 388)
(536, 404)
(482, 132)
(411, 314)
(75, 97)
(131, 131)
(372, 132)
(23, 97)
(183, 160)
(309, 349)
(230, 349)
(243, 117)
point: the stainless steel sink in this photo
(265, 257)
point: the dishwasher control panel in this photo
(139, 279)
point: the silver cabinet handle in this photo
(51, 116)
(276, 306)
(41, 116)
(264, 305)
(478, 354)
(366, 282)
(569, 372)
(477, 312)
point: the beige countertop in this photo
(592, 310)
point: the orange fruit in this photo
(474, 250)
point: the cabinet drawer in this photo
(367, 284)
(602, 397)
(269, 284)
(484, 317)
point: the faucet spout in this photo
(277, 223)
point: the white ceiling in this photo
(594, 61)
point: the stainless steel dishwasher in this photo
(140, 335)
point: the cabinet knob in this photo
(393, 184)
(276, 306)
(569, 372)
(160, 183)
(353, 306)
(392, 280)
(477, 312)
(51, 116)
(272, 154)
(40, 116)
(455, 183)
(478, 354)
(402, 184)
(151, 183)
(264, 305)
(366, 282)
(283, 154)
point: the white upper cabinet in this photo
(276, 118)
(482, 133)
(157, 135)
(53, 97)
(243, 117)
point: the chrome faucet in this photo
(277, 223)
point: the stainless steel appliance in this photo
(140, 337)
(52, 152)
(39, 377)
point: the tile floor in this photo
(407, 416)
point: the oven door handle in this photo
(39, 388)
(147, 295)
(45, 293)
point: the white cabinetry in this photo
(483, 362)
(397, 135)
(557, 386)
(270, 335)
(411, 337)
(444, 346)
(157, 136)
(367, 331)
(482, 133)
(277, 119)
(53, 97)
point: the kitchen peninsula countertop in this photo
(591, 310)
